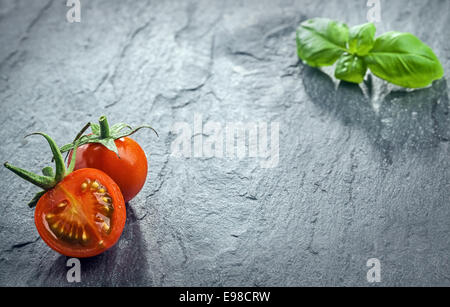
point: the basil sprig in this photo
(400, 58)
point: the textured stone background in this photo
(360, 175)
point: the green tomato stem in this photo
(48, 171)
(73, 158)
(36, 198)
(43, 182)
(49, 180)
(104, 128)
(103, 134)
(59, 161)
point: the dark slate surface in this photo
(358, 177)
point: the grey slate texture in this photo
(357, 178)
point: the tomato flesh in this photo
(128, 170)
(83, 215)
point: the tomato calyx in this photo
(49, 178)
(103, 134)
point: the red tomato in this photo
(83, 215)
(129, 171)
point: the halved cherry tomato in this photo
(79, 213)
(128, 169)
(83, 215)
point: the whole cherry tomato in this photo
(128, 168)
(113, 152)
(80, 213)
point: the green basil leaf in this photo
(321, 41)
(350, 68)
(362, 39)
(402, 59)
